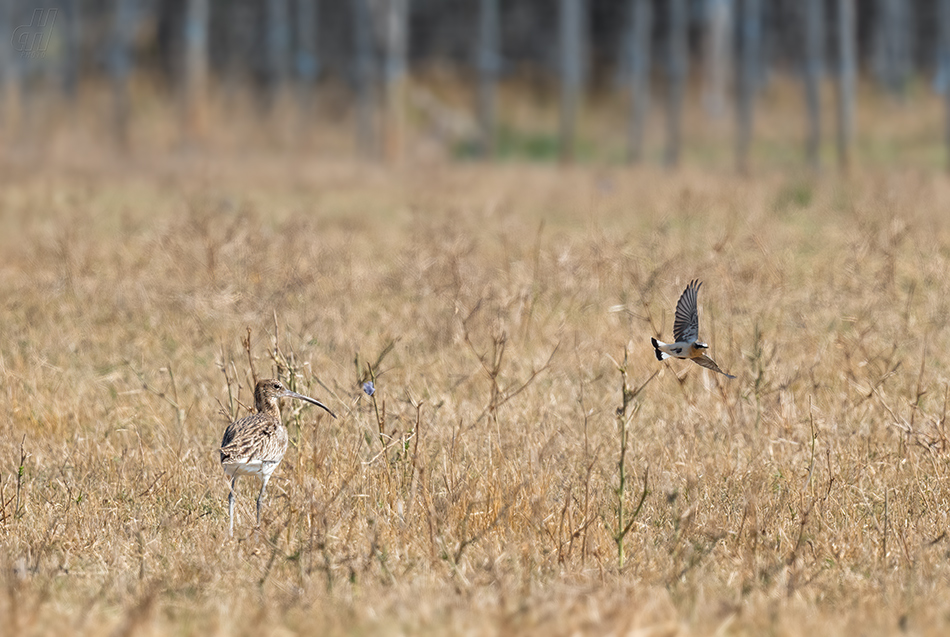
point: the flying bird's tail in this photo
(660, 355)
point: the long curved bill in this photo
(292, 394)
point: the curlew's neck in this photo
(266, 404)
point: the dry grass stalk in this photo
(810, 494)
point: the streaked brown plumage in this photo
(255, 444)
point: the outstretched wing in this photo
(709, 363)
(686, 324)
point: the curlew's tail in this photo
(660, 355)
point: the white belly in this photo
(677, 350)
(251, 467)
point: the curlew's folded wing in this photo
(250, 438)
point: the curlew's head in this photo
(269, 390)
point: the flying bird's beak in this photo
(292, 394)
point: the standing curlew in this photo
(255, 444)
(686, 333)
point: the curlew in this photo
(255, 444)
(686, 333)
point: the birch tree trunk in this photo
(364, 74)
(750, 32)
(72, 30)
(813, 54)
(677, 53)
(120, 67)
(572, 35)
(488, 60)
(891, 57)
(847, 35)
(640, 29)
(718, 53)
(8, 68)
(397, 52)
(944, 68)
(277, 42)
(306, 59)
(196, 68)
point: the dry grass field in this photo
(479, 490)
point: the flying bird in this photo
(255, 444)
(686, 333)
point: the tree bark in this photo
(846, 78)
(397, 51)
(120, 67)
(677, 53)
(813, 54)
(364, 74)
(196, 68)
(488, 60)
(306, 59)
(640, 29)
(750, 31)
(572, 33)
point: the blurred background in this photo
(738, 83)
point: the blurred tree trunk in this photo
(677, 55)
(489, 66)
(278, 47)
(196, 68)
(640, 29)
(847, 36)
(306, 60)
(120, 66)
(72, 36)
(718, 53)
(238, 38)
(8, 68)
(814, 54)
(750, 45)
(364, 75)
(892, 56)
(944, 68)
(397, 50)
(572, 26)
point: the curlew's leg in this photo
(260, 497)
(231, 508)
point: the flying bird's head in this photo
(699, 345)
